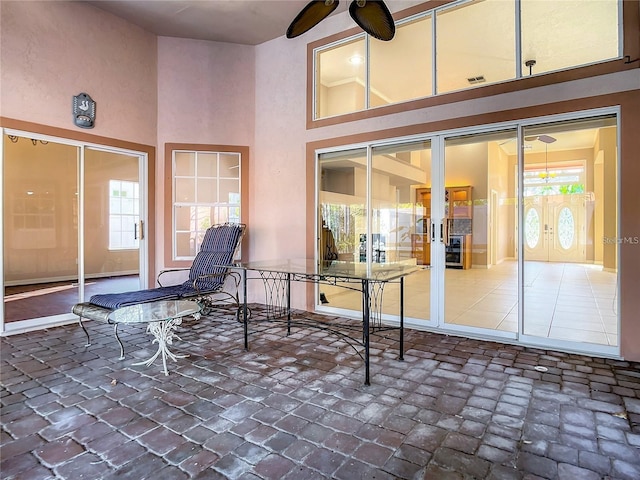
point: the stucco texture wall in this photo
(51, 51)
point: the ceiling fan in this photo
(542, 138)
(372, 16)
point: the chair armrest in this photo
(169, 270)
(234, 275)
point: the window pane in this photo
(128, 206)
(185, 190)
(197, 200)
(183, 218)
(207, 164)
(343, 196)
(475, 44)
(185, 247)
(340, 79)
(114, 205)
(409, 54)
(229, 191)
(207, 191)
(583, 32)
(185, 164)
(229, 165)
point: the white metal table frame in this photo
(162, 319)
(371, 278)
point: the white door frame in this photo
(44, 322)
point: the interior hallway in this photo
(567, 301)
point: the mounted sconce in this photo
(84, 111)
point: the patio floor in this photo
(294, 408)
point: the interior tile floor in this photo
(294, 408)
(563, 301)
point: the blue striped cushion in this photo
(205, 264)
(117, 300)
(221, 238)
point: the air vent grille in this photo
(475, 80)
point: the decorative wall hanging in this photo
(84, 111)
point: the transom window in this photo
(474, 43)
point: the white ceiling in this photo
(248, 22)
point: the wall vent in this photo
(478, 79)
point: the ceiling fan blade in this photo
(542, 138)
(312, 14)
(546, 139)
(374, 18)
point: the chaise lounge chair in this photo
(209, 283)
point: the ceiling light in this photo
(356, 59)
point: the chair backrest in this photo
(219, 247)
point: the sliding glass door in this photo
(72, 226)
(515, 226)
(40, 215)
(570, 231)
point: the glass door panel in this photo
(478, 230)
(570, 231)
(342, 200)
(112, 228)
(400, 220)
(40, 228)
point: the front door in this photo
(554, 227)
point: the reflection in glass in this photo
(584, 32)
(341, 78)
(475, 45)
(570, 273)
(409, 54)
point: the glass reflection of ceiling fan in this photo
(546, 139)
(372, 16)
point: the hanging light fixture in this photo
(546, 139)
(372, 16)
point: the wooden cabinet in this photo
(458, 202)
(458, 205)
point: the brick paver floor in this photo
(295, 408)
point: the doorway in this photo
(73, 219)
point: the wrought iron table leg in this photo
(365, 327)
(164, 332)
(115, 332)
(85, 332)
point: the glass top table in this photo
(162, 319)
(277, 276)
(344, 271)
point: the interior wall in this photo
(498, 170)
(34, 254)
(468, 165)
(100, 168)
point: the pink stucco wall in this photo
(51, 51)
(206, 95)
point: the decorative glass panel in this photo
(566, 228)
(532, 228)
